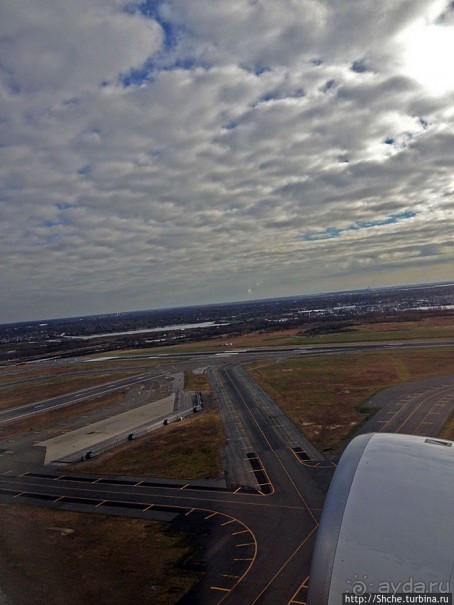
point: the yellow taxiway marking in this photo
(189, 512)
(237, 533)
(300, 587)
(278, 573)
(237, 490)
(185, 486)
(228, 522)
(229, 575)
(274, 452)
(212, 515)
(209, 501)
(219, 588)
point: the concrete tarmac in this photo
(88, 436)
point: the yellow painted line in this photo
(189, 512)
(278, 573)
(245, 544)
(59, 498)
(209, 516)
(237, 490)
(137, 484)
(100, 504)
(243, 559)
(148, 508)
(228, 575)
(219, 588)
(228, 522)
(97, 480)
(185, 486)
(424, 399)
(19, 494)
(243, 531)
(209, 501)
(299, 602)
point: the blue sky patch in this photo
(136, 77)
(333, 232)
(54, 223)
(358, 67)
(151, 10)
(329, 85)
(230, 125)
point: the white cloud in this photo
(251, 124)
(63, 48)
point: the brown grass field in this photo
(323, 395)
(29, 392)
(59, 369)
(448, 429)
(182, 450)
(39, 422)
(426, 328)
(96, 560)
(197, 382)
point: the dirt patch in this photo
(50, 557)
(197, 382)
(323, 395)
(183, 450)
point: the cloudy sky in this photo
(175, 152)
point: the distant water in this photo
(203, 324)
